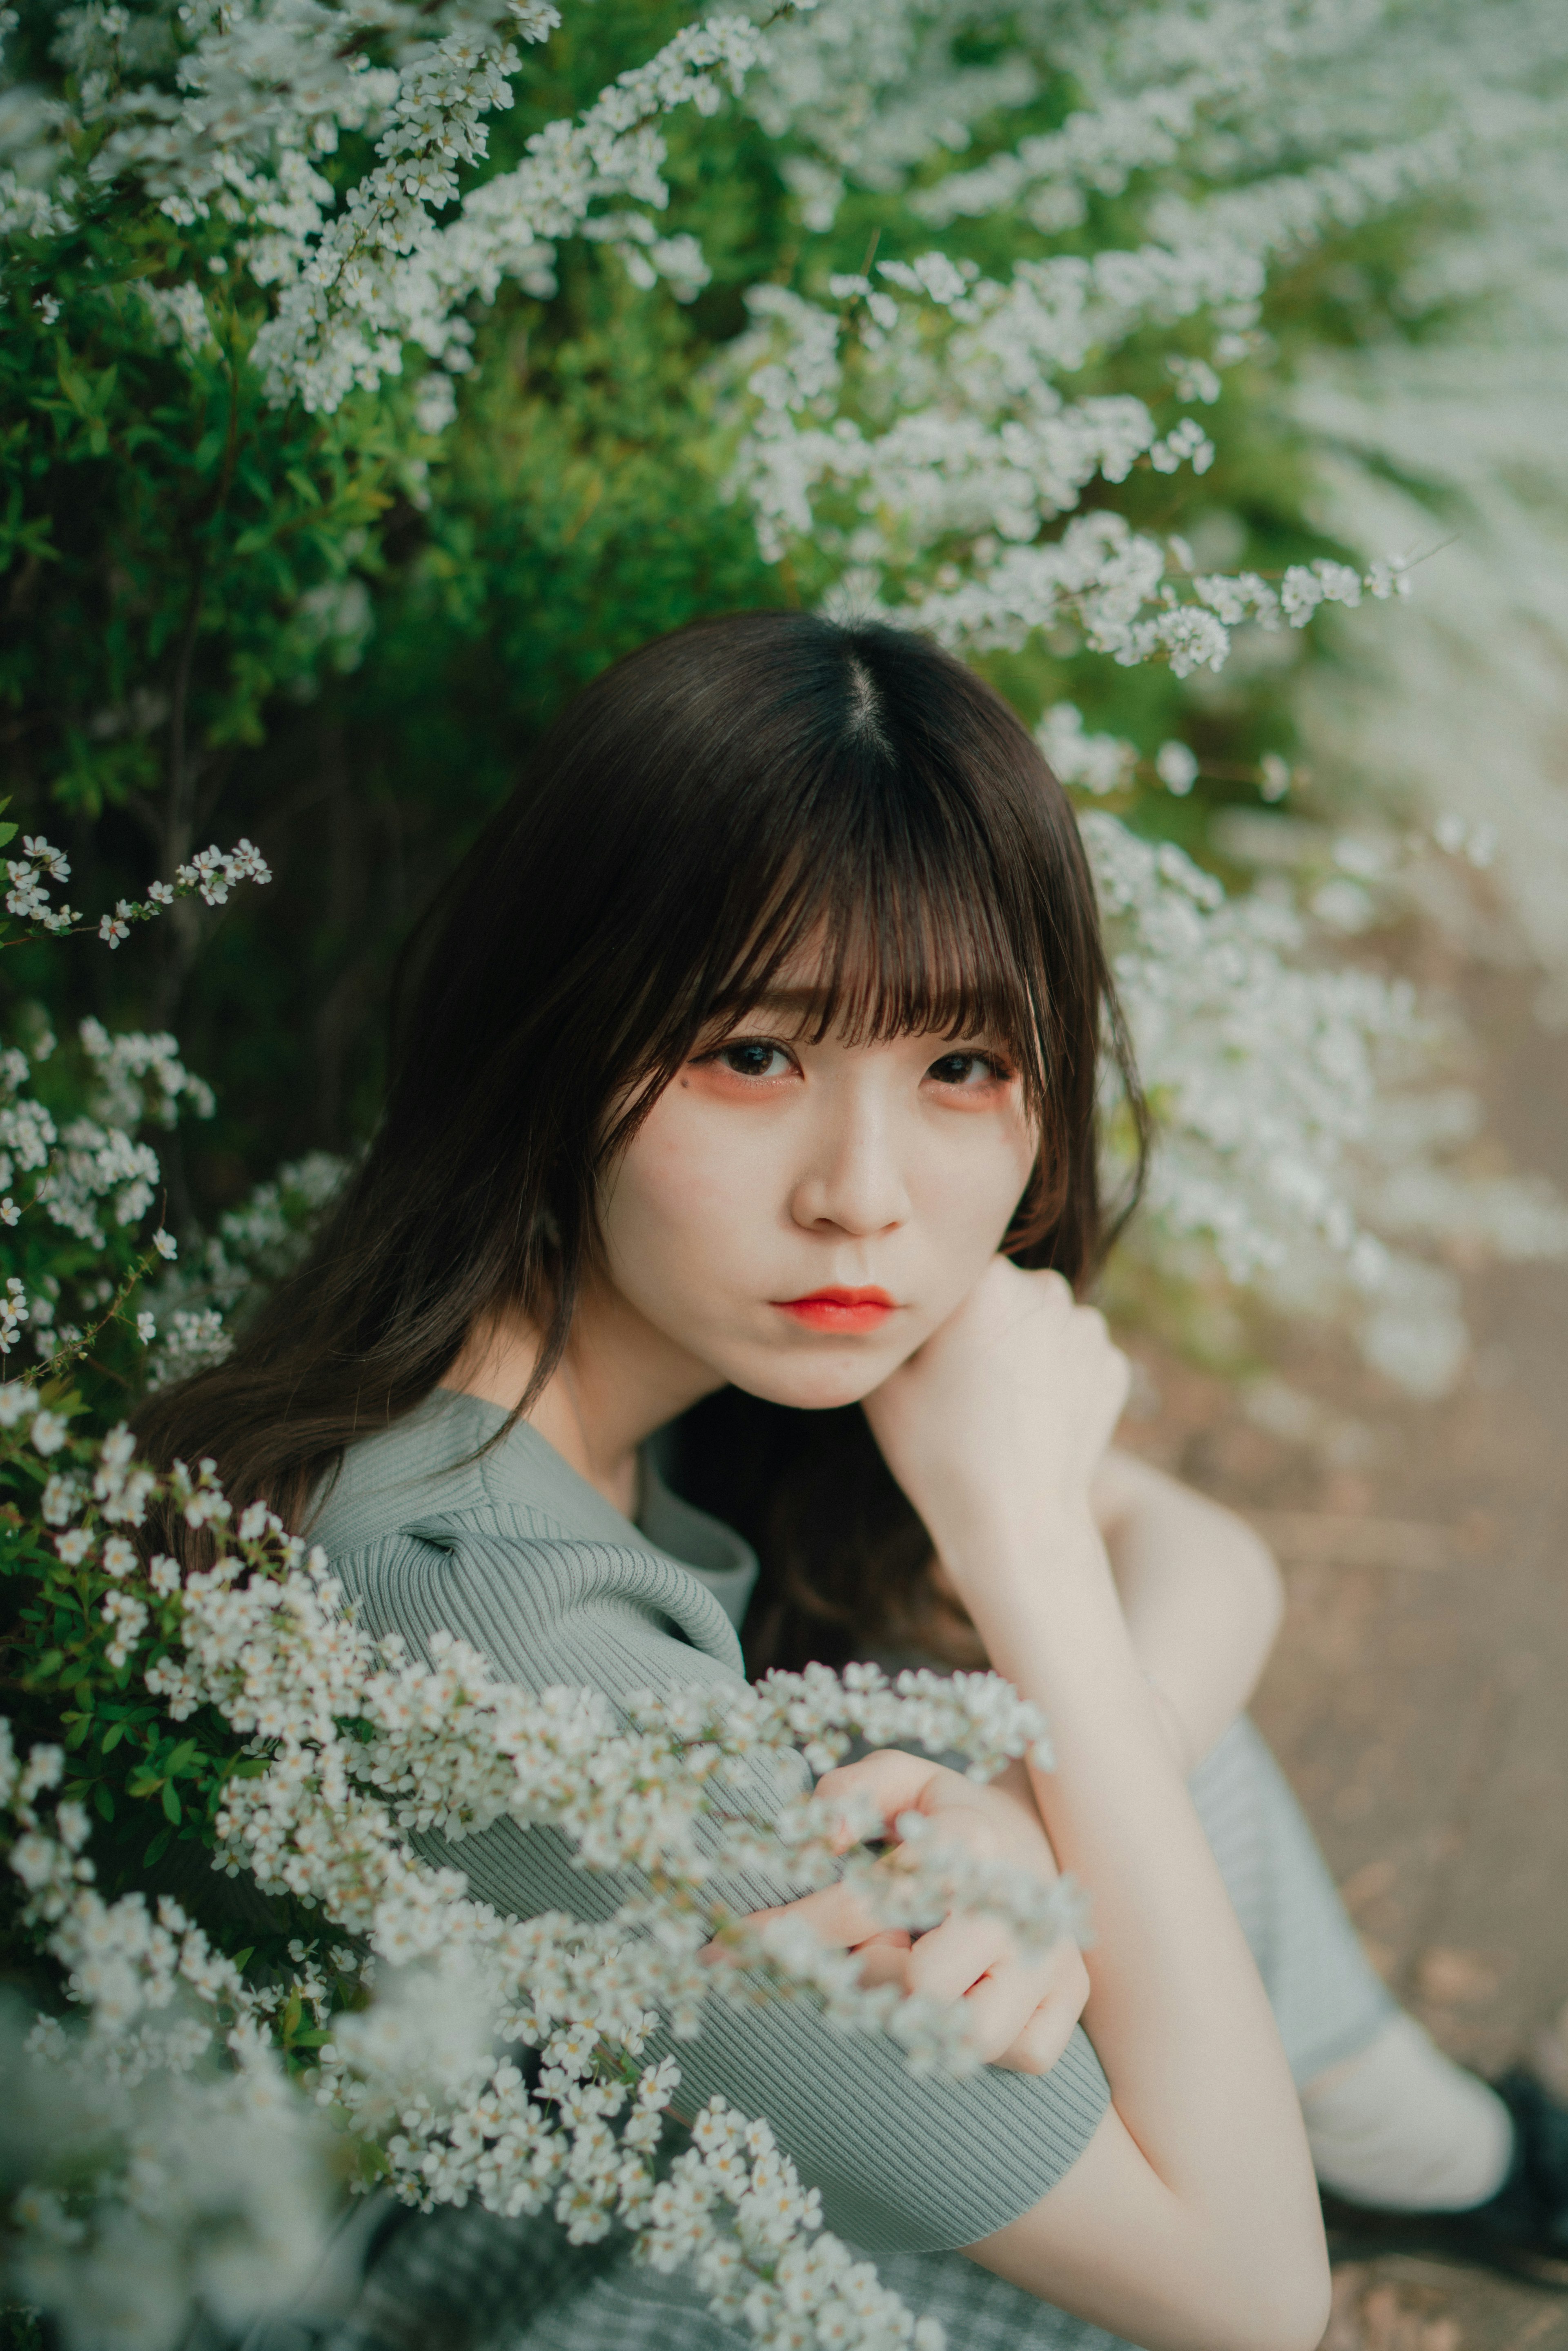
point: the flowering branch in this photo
(210, 875)
(336, 1748)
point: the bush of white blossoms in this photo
(924, 437)
(402, 2009)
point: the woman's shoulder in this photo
(438, 1462)
(430, 1505)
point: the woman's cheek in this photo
(975, 1183)
(693, 1180)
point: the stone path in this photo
(1418, 1697)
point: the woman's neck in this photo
(618, 1380)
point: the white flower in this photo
(73, 1545)
(49, 1432)
(118, 1557)
(61, 1499)
(14, 1310)
(1177, 768)
(129, 1616)
(146, 1327)
(112, 928)
(10, 1213)
(166, 1244)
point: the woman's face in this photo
(795, 1217)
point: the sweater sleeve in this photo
(905, 2162)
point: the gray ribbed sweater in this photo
(517, 1554)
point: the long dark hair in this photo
(700, 811)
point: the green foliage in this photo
(25, 2330)
(341, 637)
(152, 1780)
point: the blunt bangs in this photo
(900, 935)
(768, 801)
(859, 826)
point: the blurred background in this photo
(374, 377)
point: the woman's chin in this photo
(813, 1383)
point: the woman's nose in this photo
(852, 1179)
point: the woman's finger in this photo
(1023, 2018)
(999, 2010)
(1043, 2040)
(1048, 2032)
(884, 1959)
(890, 1780)
(951, 1959)
(836, 1915)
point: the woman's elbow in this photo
(1260, 1584)
(1286, 2310)
(1301, 2320)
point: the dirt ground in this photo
(1417, 1695)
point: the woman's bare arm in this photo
(1200, 1593)
(1191, 2222)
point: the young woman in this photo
(753, 1055)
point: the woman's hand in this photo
(996, 1425)
(1019, 2007)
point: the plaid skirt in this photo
(467, 2281)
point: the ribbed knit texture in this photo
(517, 1554)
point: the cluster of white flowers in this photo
(1457, 709)
(926, 443)
(210, 875)
(1302, 1142)
(183, 2208)
(266, 89)
(921, 426)
(672, 1793)
(138, 1080)
(135, 1081)
(29, 876)
(220, 2198)
(256, 1243)
(1265, 1072)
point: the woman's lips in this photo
(839, 1310)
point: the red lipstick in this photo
(839, 1310)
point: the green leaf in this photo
(103, 1797)
(170, 1801)
(157, 1849)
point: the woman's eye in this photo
(971, 1070)
(755, 1059)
